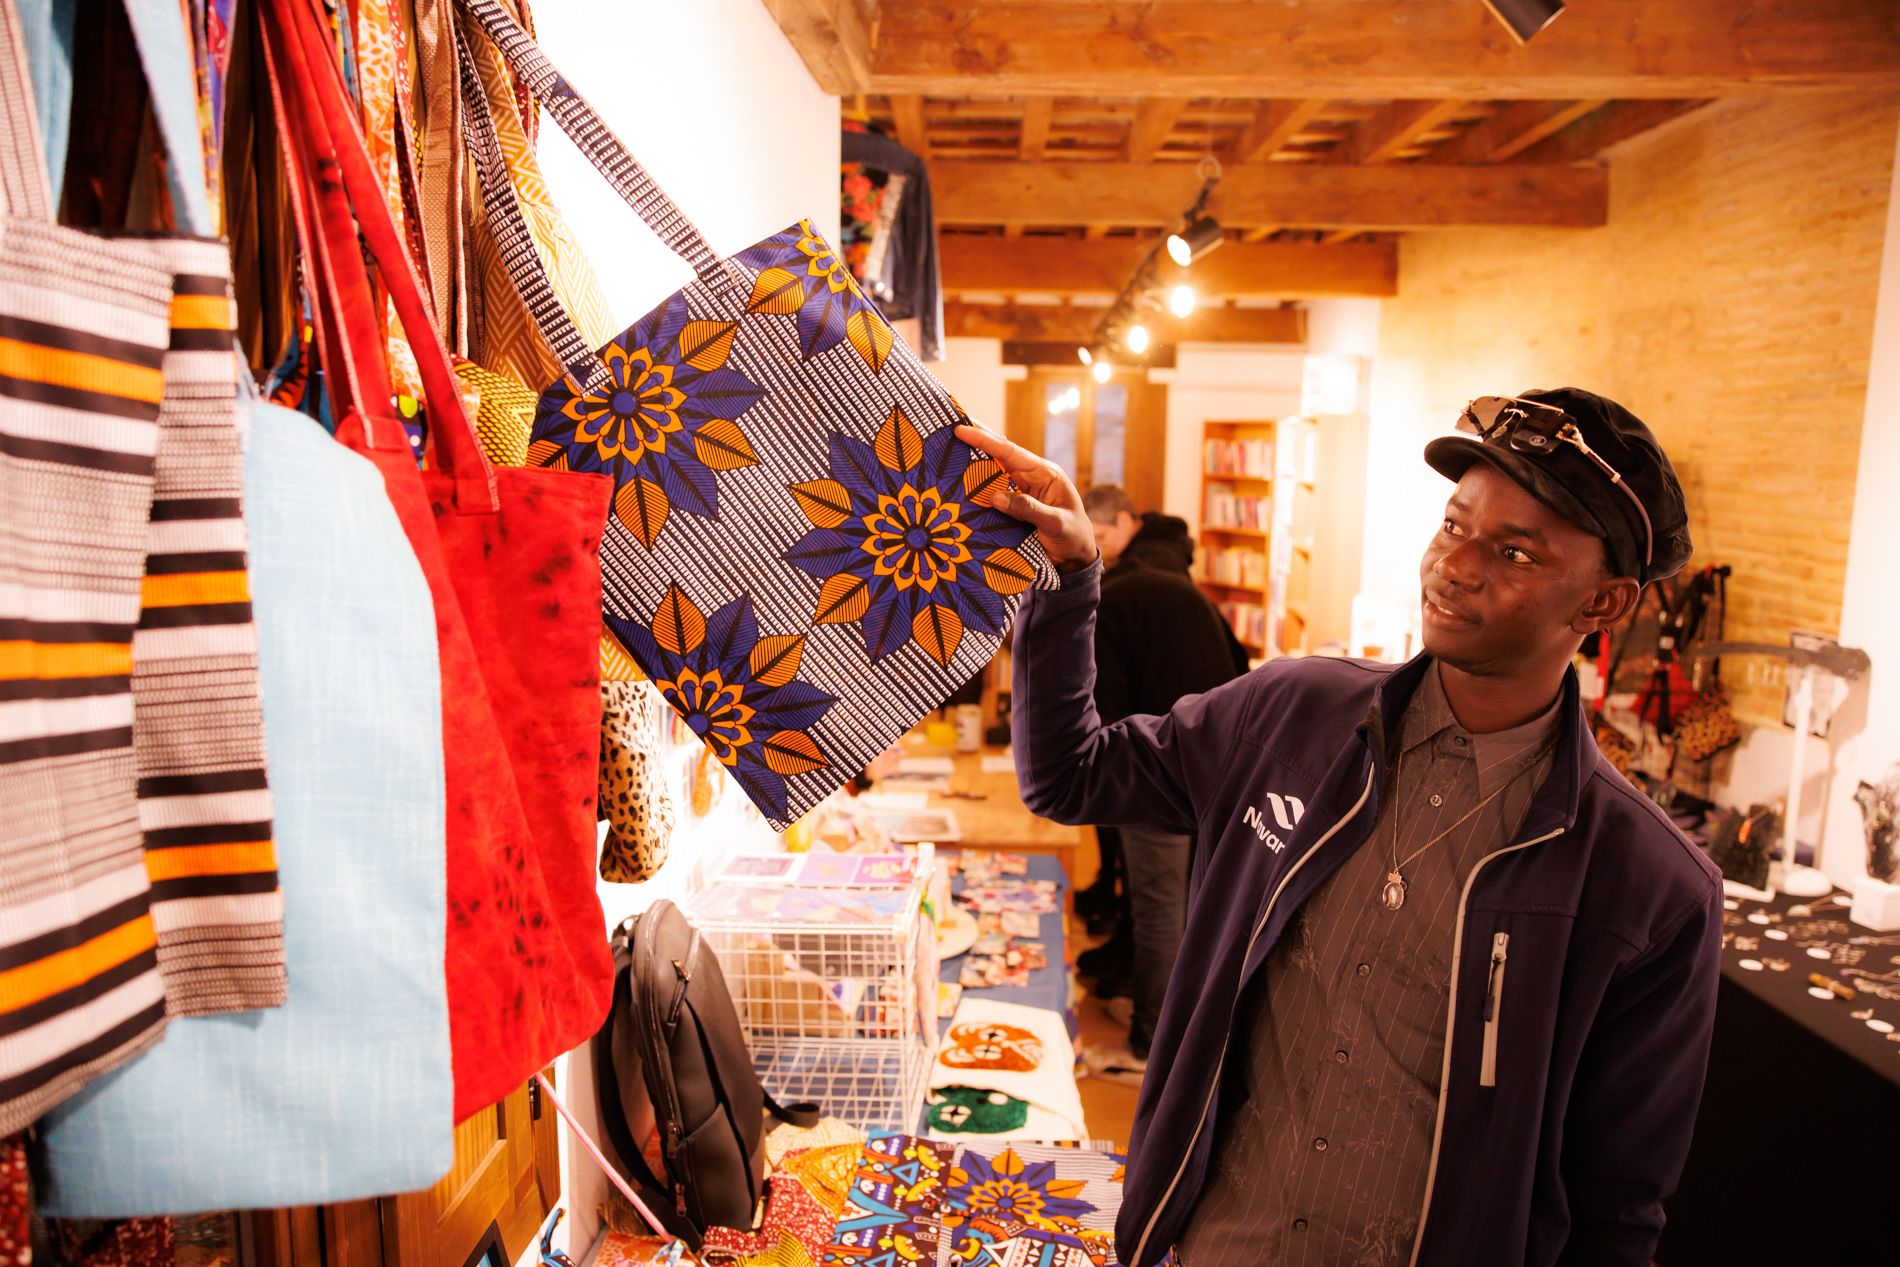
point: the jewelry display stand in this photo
(1830, 667)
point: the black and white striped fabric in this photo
(801, 555)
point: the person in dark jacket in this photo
(1160, 541)
(1157, 640)
(1448, 982)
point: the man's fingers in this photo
(1013, 457)
(1020, 505)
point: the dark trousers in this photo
(1156, 866)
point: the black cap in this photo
(1576, 488)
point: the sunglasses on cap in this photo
(1534, 428)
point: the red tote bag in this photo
(511, 557)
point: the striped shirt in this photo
(1340, 1041)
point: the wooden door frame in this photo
(1144, 426)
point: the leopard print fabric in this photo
(633, 795)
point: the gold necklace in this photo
(1392, 894)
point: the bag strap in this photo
(158, 28)
(597, 141)
(25, 192)
(313, 212)
(608, 1090)
(613, 1176)
(440, 178)
(304, 63)
(803, 1114)
(513, 238)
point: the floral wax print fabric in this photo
(801, 555)
(894, 1215)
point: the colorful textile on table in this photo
(794, 1232)
(780, 459)
(1044, 1204)
(893, 1218)
(1023, 1053)
(974, 1111)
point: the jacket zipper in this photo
(1494, 1009)
(1258, 928)
(1451, 1012)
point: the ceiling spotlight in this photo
(1524, 18)
(1201, 235)
(1102, 371)
(1136, 338)
(1181, 301)
(1085, 356)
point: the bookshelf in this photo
(1255, 555)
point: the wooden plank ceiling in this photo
(1064, 135)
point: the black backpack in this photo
(672, 1054)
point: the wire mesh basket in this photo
(832, 986)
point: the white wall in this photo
(715, 103)
(1870, 608)
(973, 371)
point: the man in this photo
(1447, 985)
(1151, 537)
(1157, 640)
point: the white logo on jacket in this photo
(1287, 812)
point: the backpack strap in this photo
(804, 1114)
(613, 1117)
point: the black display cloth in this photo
(1794, 1157)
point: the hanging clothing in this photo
(890, 232)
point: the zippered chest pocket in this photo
(1494, 1008)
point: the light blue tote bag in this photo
(345, 1091)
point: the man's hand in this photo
(1044, 497)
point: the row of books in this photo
(1235, 566)
(1238, 457)
(1227, 509)
(1249, 621)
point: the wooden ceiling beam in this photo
(1372, 49)
(1398, 126)
(1513, 130)
(1038, 113)
(1049, 323)
(1066, 266)
(1317, 196)
(907, 110)
(1154, 120)
(831, 37)
(1274, 124)
(1618, 121)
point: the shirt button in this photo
(1339, 1057)
(1319, 1145)
(1299, 1225)
(1437, 800)
(1365, 969)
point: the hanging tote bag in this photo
(801, 555)
(87, 324)
(511, 560)
(344, 1092)
(204, 799)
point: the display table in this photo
(991, 814)
(1048, 986)
(1794, 1157)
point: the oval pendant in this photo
(1393, 895)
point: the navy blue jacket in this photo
(1556, 1147)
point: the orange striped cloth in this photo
(204, 801)
(83, 335)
